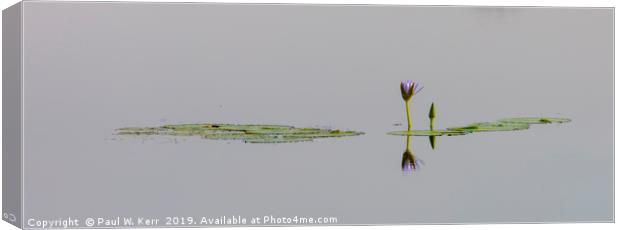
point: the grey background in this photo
(93, 67)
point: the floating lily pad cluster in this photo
(506, 124)
(248, 133)
(283, 133)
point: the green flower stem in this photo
(432, 120)
(408, 116)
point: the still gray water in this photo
(96, 67)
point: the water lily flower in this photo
(408, 89)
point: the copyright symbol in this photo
(90, 222)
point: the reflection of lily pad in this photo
(247, 133)
(428, 133)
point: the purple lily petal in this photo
(407, 84)
(418, 90)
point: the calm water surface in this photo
(283, 64)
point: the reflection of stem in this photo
(408, 116)
(407, 149)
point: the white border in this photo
(561, 3)
(584, 3)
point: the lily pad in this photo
(492, 126)
(535, 120)
(249, 133)
(428, 133)
(506, 124)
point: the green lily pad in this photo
(535, 120)
(248, 133)
(428, 133)
(506, 124)
(492, 126)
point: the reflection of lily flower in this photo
(408, 89)
(409, 163)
